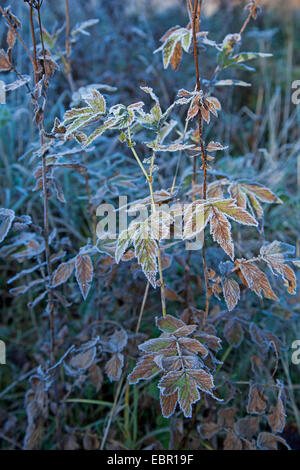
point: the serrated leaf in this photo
(213, 146)
(169, 324)
(168, 404)
(62, 273)
(256, 280)
(192, 346)
(124, 241)
(228, 207)
(187, 383)
(220, 230)
(159, 344)
(196, 217)
(231, 292)
(109, 123)
(274, 255)
(145, 369)
(84, 273)
(146, 252)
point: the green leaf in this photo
(169, 324)
(187, 383)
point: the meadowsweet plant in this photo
(214, 274)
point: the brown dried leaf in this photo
(62, 273)
(114, 366)
(257, 401)
(267, 441)
(176, 56)
(220, 230)
(226, 417)
(83, 360)
(256, 279)
(170, 294)
(232, 442)
(145, 369)
(277, 415)
(247, 427)
(231, 292)
(168, 404)
(11, 38)
(208, 430)
(5, 64)
(84, 273)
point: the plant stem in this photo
(149, 178)
(196, 19)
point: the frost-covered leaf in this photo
(124, 241)
(220, 230)
(84, 273)
(251, 193)
(256, 279)
(231, 210)
(231, 82)
(277, 415)
(168, 404)
(192, 346)
(83, 359)
(6, 219)
(174, 40)
(175, 147)
(274, 254)
(159, 344)
(5, 64)
(196, 217)
(212, 146)
(247, 427)
(114, 366)
(62, 273)
(81, 28)
(209, 430)
(169, 324)
(268, 441)
(187, 383)
(159, 224)
(257, 401)
(17, 83)
(231, 292)
(108, 124)
(146, 252)
(145, 369)
(116, 342)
